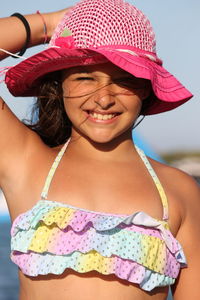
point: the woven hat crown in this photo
(95, 23)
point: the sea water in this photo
(8, 270)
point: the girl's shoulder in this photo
(183, 194)
(178, 183)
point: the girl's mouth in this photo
(104, 117)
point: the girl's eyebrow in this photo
(85, 70)
(82, 70)
(123, 74)
(77, 70)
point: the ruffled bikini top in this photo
(52, 237)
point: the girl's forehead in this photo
(107, 68)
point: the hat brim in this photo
(168, 92)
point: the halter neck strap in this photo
(51, 173)
(150, 169)
(157, 182)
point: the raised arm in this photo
(13, 33)
(14, 135)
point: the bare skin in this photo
(24, 184)
(76, 183)
(25, 161)
(13, 24)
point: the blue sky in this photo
(176, 24)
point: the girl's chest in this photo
(114, 188)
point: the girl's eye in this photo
(125, 81)
(128, 82)
(84, 78)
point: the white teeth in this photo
(102, 117)
(99, 117)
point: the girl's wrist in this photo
(37, 25)
(45, 29)
(47, 17)
(43, 25)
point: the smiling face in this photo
(102, 101)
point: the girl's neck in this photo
(119, 149)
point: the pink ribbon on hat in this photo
(65, 42)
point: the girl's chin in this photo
(103, 139)
(101, 136)
(100, 139)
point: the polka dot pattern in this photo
(32, 264)
(62, 236)
(52, 237)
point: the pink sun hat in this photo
(98, 31)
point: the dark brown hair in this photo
(49, 119)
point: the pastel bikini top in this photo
(52, 237)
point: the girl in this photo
(110, 222)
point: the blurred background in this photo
(172, 137)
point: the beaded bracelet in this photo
(45, 26)
(28, 33)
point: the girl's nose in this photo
(105, 97)
(105, 100)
